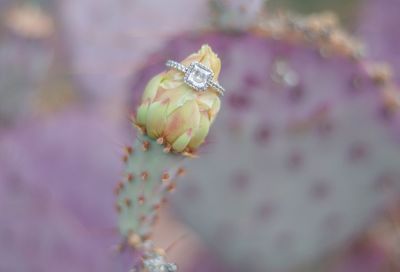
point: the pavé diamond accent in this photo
(176, 65)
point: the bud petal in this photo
(141, 114)
(209, 104)
(214, 110)
(181, 143)
(157, 118)
(152, 87)
(201, 132)
(181, 120)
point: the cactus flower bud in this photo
(175, 112)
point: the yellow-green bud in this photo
(175, 112)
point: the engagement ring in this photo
(197, 76)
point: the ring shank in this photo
(176, 65)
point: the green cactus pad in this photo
(150, 174)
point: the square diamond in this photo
(198, 76)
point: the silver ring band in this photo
(197, 76)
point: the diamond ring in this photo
(197, 76)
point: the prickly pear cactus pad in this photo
(378, 26)
(173, 120)
(306, 153)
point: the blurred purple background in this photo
(66, 74)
